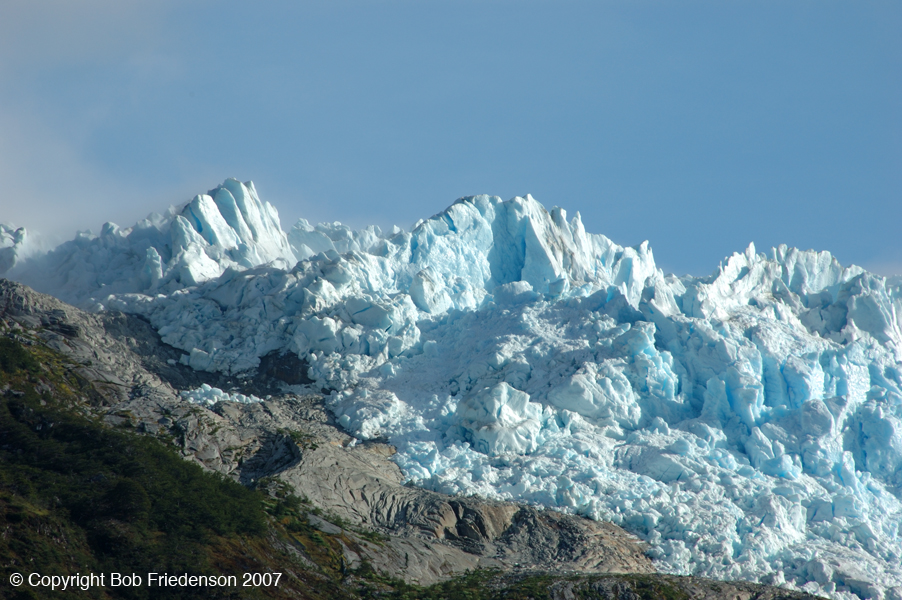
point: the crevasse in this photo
(747, 424)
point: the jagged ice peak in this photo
(747, 424)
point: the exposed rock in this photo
(425, 536)
(291, 436)
(666, 586)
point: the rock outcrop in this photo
(291, 438)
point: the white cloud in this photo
(49, 187)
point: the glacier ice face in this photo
(227, 228)
(500, 420)
(207, 395)
(747, 424)
(12, 242)
(17, 246)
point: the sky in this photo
(698, 126)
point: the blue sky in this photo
(699, 126)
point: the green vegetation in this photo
(305, 441)
(494, 585)
(77, 496)
(13, 357)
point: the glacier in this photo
(747, 424)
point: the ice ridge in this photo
(227, 228)
(747, 424)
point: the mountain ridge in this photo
(505, 351)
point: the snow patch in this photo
(208, 396)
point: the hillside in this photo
(744, 425)
(103, 468)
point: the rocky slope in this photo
(745, 425)
(290, 440)
(290, 437)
